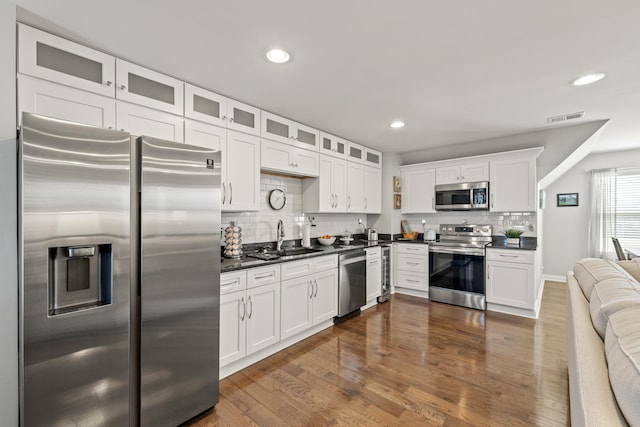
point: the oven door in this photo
(457, 269)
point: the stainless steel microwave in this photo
(462, 197)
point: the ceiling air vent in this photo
(565, 117)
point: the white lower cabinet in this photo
(510, 281)
(411, 268)
(374, 273)
(249, 318)
(311, 296)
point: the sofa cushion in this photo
(632, 267)
(622, 346)
(609, 296)
(589, 271)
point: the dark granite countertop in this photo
(227, 265)
(526, 243)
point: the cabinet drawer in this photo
(413, 263)
(414, 248)
(511, 255)
(413, 280)
(293, 269)
(374, 253)
(325, 263)
(233, 281)
(263, 276)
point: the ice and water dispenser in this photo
(80, 277)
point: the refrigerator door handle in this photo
(250, 303)
(244, 309)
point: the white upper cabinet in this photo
(64, 102)
(241, 183)
(418, 195)
(287, 131)
(140, 121)
(277, 157)
(59, 60)
(204, 135)
(142, 86)
(355, 187)
(469, 172)
(333, 146)
(355, 152)
(372, 190)
(327, 193)
(205, 106)
(372, 157)
(512, 185)
(243, 117)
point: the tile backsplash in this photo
(525, 221)
(261, 226)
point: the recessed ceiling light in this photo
(279, 56)
(397, 124)
(588, 79)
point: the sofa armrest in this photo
(592, 400)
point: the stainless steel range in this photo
(456, 265)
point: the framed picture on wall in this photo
(567, 199)
(397, 201)
(397, 187)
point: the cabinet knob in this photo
(224, 118)
(108, 83)
(123, 87)
(462, 177)
(231, 119)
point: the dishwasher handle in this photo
(350, 260)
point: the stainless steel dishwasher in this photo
(352, 277)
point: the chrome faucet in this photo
(280, 235)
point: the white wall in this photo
(389, 221)
(8, 233)
(566, 228)
(261, 226)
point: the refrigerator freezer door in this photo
(74, 274)
(180, 279)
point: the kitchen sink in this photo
(287, 253)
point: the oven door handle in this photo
(479, 252)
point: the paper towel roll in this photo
(306, 235)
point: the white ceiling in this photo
(455, 71)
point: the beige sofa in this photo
(604, 343)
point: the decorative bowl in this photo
(326, 242)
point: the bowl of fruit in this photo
(326, 240)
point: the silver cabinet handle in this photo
(224, 118)
(123, 87)
(491, 200)
(433, 203)
(310, 289)
(224, 193)
(244, 308)
(229, 283)
(508, 256)
(230, 194)
(315, 282)
(365, 203)
(412, 281)
(413, 249)
(108, 83)
(250, 303)
(272, 274)
(349, 202)
(488, 272)
(462, 177)
(231, 119)
(412, 263)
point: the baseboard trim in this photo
(554, 278)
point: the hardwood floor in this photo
(411, 362)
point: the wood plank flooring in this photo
(411, 362)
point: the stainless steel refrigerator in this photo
(119, 277)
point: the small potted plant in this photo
(513, 236)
